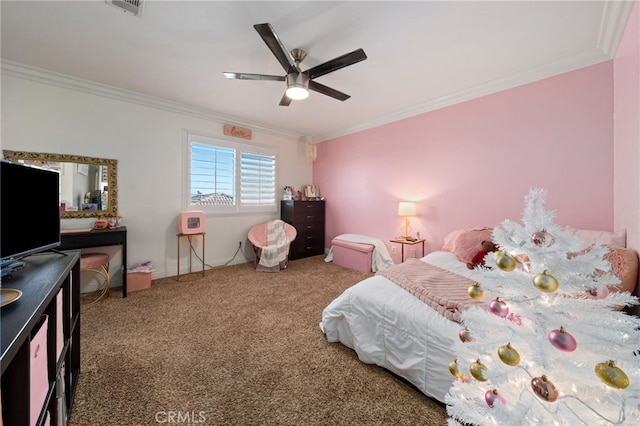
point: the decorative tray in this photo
(9, 295)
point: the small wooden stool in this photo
(98, 263)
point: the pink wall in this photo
(627, 131)
(471, 164)
(627, 134)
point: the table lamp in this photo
(406, 209)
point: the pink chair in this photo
(258, 238)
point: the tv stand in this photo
(46, 317)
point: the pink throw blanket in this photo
(442, 290)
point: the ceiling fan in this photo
(299, 82)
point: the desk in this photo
(73, 240)
(409, 243)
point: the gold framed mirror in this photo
(88, 185)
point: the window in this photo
(228, 177)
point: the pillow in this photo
(465, 243)
(624, 265)
(590, 237)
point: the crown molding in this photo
(615, 15)
(39, 75)
(592, 57)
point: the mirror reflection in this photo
(88, 185)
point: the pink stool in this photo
(98, 263)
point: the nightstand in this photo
(404, 242)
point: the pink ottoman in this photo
(352, 255)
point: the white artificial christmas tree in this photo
(548, 347)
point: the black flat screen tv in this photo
(29, 210)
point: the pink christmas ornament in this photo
(498, 307)
(562, 340)
(542, 238)
(544, 388)
(491, 396)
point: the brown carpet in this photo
(236, 347)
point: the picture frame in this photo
(312, 191)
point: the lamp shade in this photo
(406, 208)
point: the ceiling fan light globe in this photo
(297, 86)
(297, 93)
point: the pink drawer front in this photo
(38, 376)
(59, 329)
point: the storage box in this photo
(59, 325)
(352, 255)
(138, 281)
(38, 372)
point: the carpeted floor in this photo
(236, 347)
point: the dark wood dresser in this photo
(308, 219)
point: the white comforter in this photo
(389, 327)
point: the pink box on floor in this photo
(138, 281)
(352, 255)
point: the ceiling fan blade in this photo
(285, 101)
(272, 41)
(336, 63)
(325, 90)
(245, 76)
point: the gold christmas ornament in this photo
(477, 369)
(475, 292)
(453, 369)
(508, 355)
(545, 282)
(544, 389)
(505, 261)
(611, 375)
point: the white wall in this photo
(148, 144)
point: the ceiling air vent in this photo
(131, 6)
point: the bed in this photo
(388, 326)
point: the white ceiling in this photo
(422, 55)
